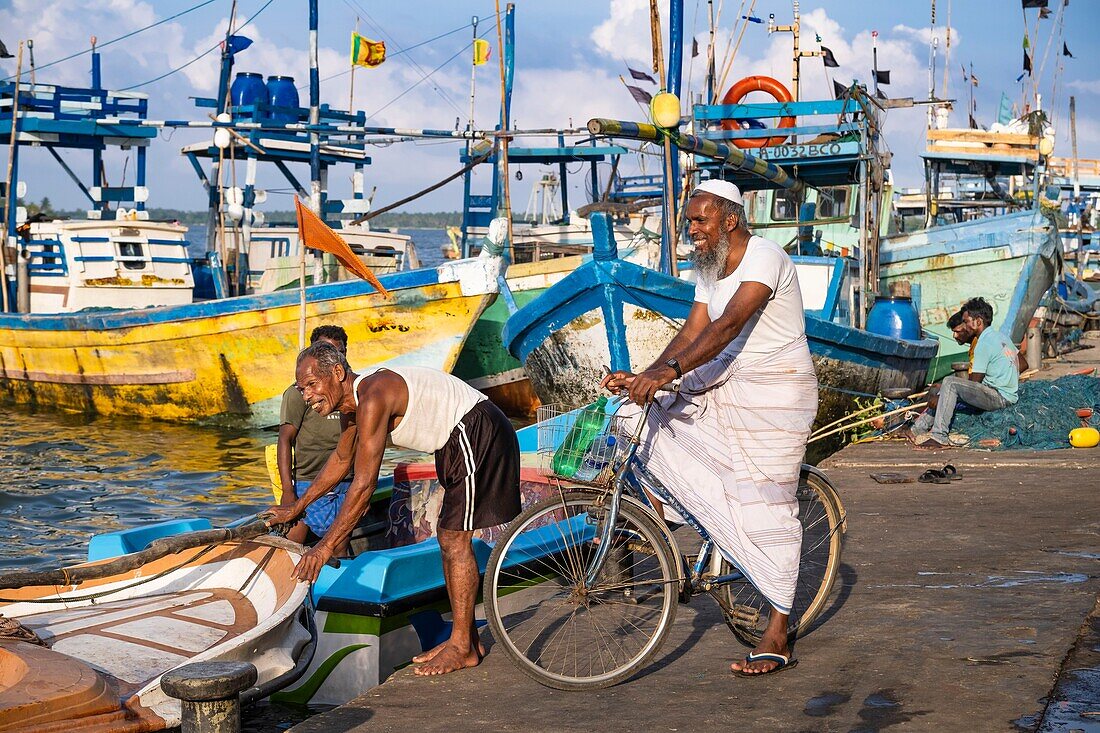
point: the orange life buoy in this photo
(757, 84)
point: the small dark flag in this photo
(879, 93)
(974, 79)
(694, 47)
(1065, 50)
(641, 96)
(1034, 3)
(4, 53)
(882, 77)
(840, 90)
(973, 123)
(1044, 13)
(1027, 63)
(830, 60)
(641, 75)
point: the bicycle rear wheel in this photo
(822, 518)
(560, 633)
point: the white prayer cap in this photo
(721, 189)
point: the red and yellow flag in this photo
(365, 52)
(316, 234)
(482, 51)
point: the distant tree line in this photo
(399, 220)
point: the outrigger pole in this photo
(728, 154)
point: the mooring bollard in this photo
(209, 694)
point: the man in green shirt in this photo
(993, 383)
(305, 441)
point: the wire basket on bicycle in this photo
(581, 446)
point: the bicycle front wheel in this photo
(560, 632)
(822, 518)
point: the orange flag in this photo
(316, 234)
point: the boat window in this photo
(832, 202)
(785, 205)
(132, 255)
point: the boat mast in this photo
(10, 188)
(314, 166)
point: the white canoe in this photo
(107, 641)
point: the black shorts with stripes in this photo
(478, 468)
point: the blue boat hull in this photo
(618, 314)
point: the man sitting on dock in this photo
(729, 446)
(476, 459)
(993, 382)
(305, 442)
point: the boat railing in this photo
(982, 144)
(826, 139)
(47, 258)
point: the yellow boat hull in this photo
(223, 358)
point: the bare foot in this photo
(430, 654)
(446, 658)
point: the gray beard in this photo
(709, 264)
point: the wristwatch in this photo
(676, 366)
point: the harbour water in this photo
(66, 477)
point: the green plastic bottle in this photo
(569, 455)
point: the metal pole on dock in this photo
(9, 191)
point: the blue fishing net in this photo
(1040, 420)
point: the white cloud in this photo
(1092, 86)
(625, 34)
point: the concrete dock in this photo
(960, 606)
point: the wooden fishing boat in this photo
(89, 656)
(234, 357)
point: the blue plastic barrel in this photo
(282, 93)
(248, 88)
(894, 316)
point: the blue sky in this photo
(569, 56)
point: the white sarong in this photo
(729, 447)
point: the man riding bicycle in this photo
(729, 446)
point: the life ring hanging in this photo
(757, 84)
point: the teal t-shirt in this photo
(995, 356)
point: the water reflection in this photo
(64, 478)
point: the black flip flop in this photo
(933, 476)
(783, 663)
(951, 472)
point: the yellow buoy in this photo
(1084, 437)
(665, 109)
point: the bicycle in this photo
(582, 588)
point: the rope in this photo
(10, 628)
(201, 55)
(422, 79)
(429, 189)
(112, 591)
(121, 38)
(399, 52)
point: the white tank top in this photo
(437, 402)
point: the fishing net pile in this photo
(1042, 418)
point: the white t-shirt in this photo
(781, 320)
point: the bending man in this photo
(730, 445)
(476, 458)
